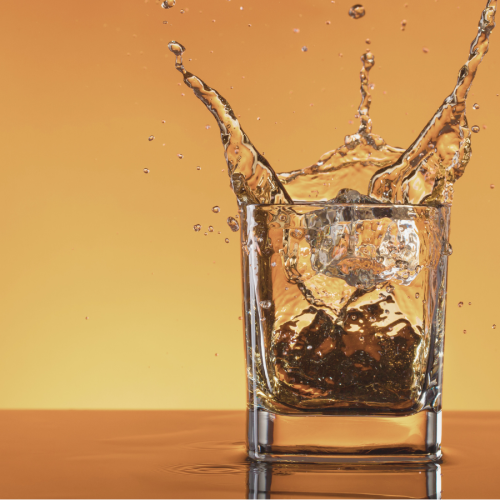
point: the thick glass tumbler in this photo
(344, 322)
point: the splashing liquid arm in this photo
(252, 177)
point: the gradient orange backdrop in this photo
(85, 233)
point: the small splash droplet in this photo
(233, 224)
(240, 318)
(216, 209)
(368, 41)
(470, 303)
(304, 49)
(425, 50)
(475, 129)
(197, 227)
(151, 137)
(198, 168)
(227, 240)
(357, 11)
(492, 186)
(182, 11)
(417, 295)
(460, 304)
(86, 317)
(296, 30)
(210, 229)
(216, 354)
(265, 304)
(328, 22)
(404, 22)
(180, 156)
(146, 170)
(494, 327)
(165, 22)
(205, 234)
(168, 4)
(208, 127)
(476, 106)
(465, 331)
(176, 48)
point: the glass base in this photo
(344, 439)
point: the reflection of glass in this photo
(266, 480)
(344, 316)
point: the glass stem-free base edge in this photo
(344, 439)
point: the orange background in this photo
(85, 233)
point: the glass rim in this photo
(353, 205)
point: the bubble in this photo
(475, 129)
(309, 347)
(216, 209)
(233, 224)
(180, 156)
(357, 11)
(210, 229)
(151, 137)
(176, 48)
(227, 240)
(404, 22)
(265, 304)
(168, 4)
(389, 289)
(460, 304)
(146, 170)
(417, 295)
(304, 49)
(197, 227)
(476, 106)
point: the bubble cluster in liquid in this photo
(357, 11)
(265, 304)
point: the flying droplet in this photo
(208, 127)
(146, 170)
(240, 318)
(476, 106)
(210, 229)
(86, 317)
(492, 186)
(265, 304)
(357, 11)
(368, 41)
(304, 49)
(417, 295)
(425, 50)
(296, 30)
(180, 156)
(460, 304)
(198, 168)
(475, 129)
(197, 227)
(205, 234)
(233, 224)
(168, 4)
(176, 48)
(328, 22)
(182, 11)
(227, 240)
(216, 209)
(465, 331)
(470, 303)
(404, 22)
(494, 327)
(165, 22)
(151, 137)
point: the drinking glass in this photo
(344, 323)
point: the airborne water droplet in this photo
(198, 168)
(227, 240)
(304, 49)
(476, 106)
(494, 327)
(210, 229)
(168, 4)
(151, 137)
(216, 209)
(176, 48)
(403, 24)
(197, 227)
(475, 129)
(180, 156)
(465, 331)
(492, 186)
(146, 170)
(368, 41)
(357, 11)
(417, 295)
(265, 304)
(233, 224)
(460, 304)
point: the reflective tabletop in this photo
(201, 454)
